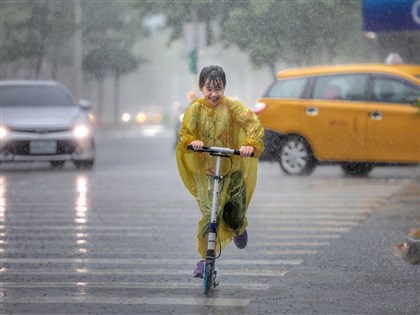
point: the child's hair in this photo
(211, 74)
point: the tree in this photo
(293, 32)
(35, 31)
(109, 33)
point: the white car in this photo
(41, 121)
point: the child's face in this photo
(213, 91)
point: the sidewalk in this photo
(359, 272)
(407, 205)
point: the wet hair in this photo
(212, 74)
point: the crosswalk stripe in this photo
(311, 222)
(125, 228)
(287, 252)
(118, 261)
(312, 216)
(224, 302)
(289, 244)
(143, 272)
(300, 234)
(131, 285)
(305, 228)
(303, 235)
(71, 244)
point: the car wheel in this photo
(84, 164)
(57, 164)
(357, 169)
(296, 157)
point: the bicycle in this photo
(211, 272)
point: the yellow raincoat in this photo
(229, 124)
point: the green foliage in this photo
(298, 32)
(40, 30)
(108, 38)
(35, 30)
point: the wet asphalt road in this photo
(120, 239)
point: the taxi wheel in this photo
(357, 169)
(296, 157)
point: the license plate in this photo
(43, 147)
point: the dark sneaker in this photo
(199, 269)
(241, 240)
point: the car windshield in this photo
(34, 96)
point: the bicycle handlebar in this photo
(216, 150)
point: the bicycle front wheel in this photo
(208, 277)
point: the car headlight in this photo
(259, 107)
(81, 131)
(3, 132)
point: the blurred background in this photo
(138, 61)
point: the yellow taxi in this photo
(358, 116)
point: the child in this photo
(219, 121)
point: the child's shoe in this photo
(199, 269)
(241, 240)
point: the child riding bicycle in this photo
(219, 121)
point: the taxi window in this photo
(394, 90)
(287, 88)
(350, 87)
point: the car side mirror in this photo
(416, 103)
(85, 104)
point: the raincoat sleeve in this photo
(251, 125)
(188, 166)
(188, 131)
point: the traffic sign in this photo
(391, 15)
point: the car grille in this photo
(40, 130)
(22, 147)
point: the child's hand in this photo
(197, 144)
(246, 151)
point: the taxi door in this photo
(393, 128)
(334, 121)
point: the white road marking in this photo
(130, 285)
(289, 244)
(142, 272)
(306, 228)
(225, 302)
(302, 235)
(287, 252)
(309, 221)
(159, 262)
